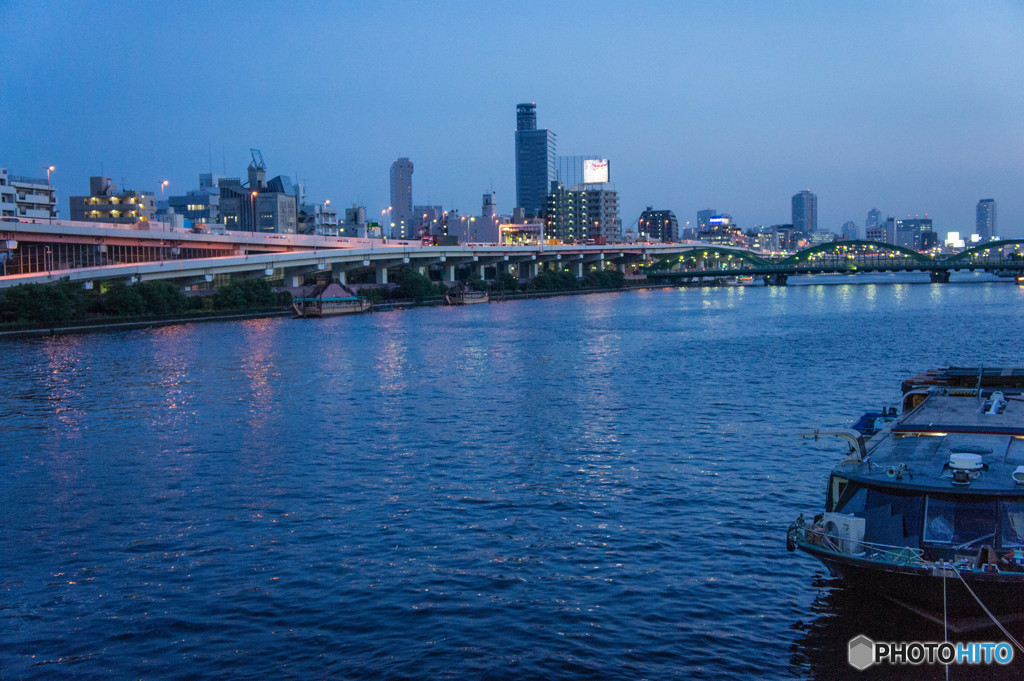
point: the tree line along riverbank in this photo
(66, 304)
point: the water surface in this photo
(580, 487)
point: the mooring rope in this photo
(945, 618)
(987, 611)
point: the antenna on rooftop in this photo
(257, 160)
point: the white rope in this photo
(987, 612)
(945, 620)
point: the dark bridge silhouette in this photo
(1005, 258)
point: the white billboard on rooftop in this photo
(595, 171)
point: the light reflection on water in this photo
(594, 486)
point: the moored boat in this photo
(929, 510)
(466, 296)
(328, 299)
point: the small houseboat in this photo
(464, 295)
(328, 299)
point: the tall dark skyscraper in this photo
(985, 225)
(805, 212)
(535, 160)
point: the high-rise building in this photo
(805, 212)
(872, 222)
(403, 218)
(986, 219)
(535, 160)
(849, 230)
(659, 224)
(584, 211)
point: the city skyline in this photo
(698, 113)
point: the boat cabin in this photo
(945, 480)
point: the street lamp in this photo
(162, 185)
(49, 169)
(252, 210)
(49, 261)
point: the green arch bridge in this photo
(1005, 258)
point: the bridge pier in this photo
(339, 273)
(939, 276)
(776, 279)
(382, 275)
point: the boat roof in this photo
(914, 452)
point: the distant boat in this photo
(740, 281)
(466, 296)
(328, 299)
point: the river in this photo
(580, 487)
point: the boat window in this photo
(839, 492)
(892, 518)
(852, 500)
(963, 524)
(1012, 524)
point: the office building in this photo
(428, 221)
(784, 238)
(660, 225)
(535, 160)
(848, 232)
(27, 198)
(985, 224)
(872, 222)
(914, 233)
(106, 204)
(722, 230)
(201, 205)
(704, 219)
(260, 206)
(805, 212)
(403, 217)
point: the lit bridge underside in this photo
(844, 257)
(88, 253)
(45, 252)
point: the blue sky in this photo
(911, 107)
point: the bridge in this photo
(40, 252)
(1005, 258)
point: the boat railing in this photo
(817, 536)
